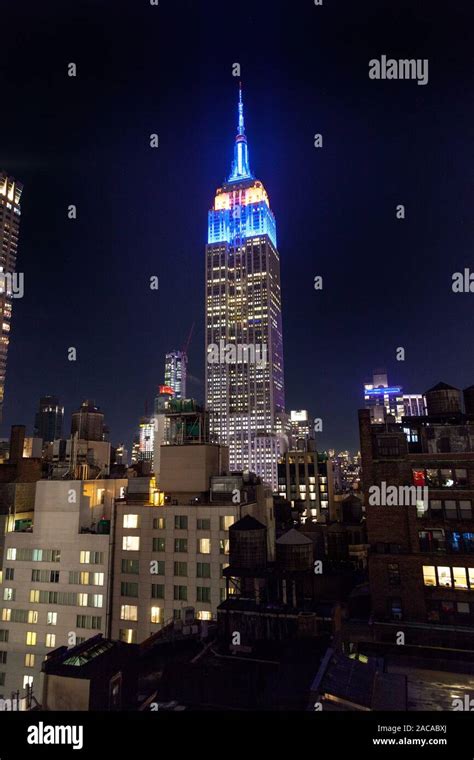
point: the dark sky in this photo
(141, 212)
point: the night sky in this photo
(143, 212)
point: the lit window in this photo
(6, 614)
(130, 521)
(29, 660)
(131, 543)
(444, 576)
(34, 595)
(459, 575)
(226, 521)
(204, 545)
(129, 612)
(52, 618)
(128, 635)
(50, 640)
(31, 638)
(32, 616)
(27, 681)
(156, 613)
(429, 575)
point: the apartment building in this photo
(55, 575)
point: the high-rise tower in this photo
(244, 344)
(10, 213)
(175, 372)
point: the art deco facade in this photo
(244, 391)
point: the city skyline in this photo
(335, 208)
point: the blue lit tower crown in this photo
(243, 307)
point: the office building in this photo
(175, 372)
(244, 345)
(305, 479)
(10, 283)
(49, 419)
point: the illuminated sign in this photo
(165, 389)
(382, 391)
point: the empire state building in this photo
(244, 343)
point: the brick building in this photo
(421, 561)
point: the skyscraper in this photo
(88, 422)
(49, 419)
(244, 367)
(10, 212)
(175, 372)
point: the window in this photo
(29, 660)
(459, 575)
(394, 574)
(131, 521)
(96, 600)
(82, 600)
(131, 543)
(34, 595)
(128, 635)
(203, 615)
(27, 681)
(395, 609)
(466, 510)
(226, 521)
(9, 574)
(3, 658)
(9, 594)
(157, 591)
(91, 558)
(432, 541)
(204, 545)
(88, 621)
(436, 507)
(156, 615)
(203, 570)
(50, 640)
(203, 524)
(6, 614)
(128, 612)
(4, 632)
(224, 546)
(181, 545)
(129, 589)
(446, 478)
(203, 594)
(450, 510)
(444, 576)
(31, 638)
(460, 478)
(181, 592)
(470, 574)
(429, 575)
(181, 568)
(159, 523)
(180, 522)
(432, 479)
(33, 616)
(11, 553)
(158, 544)
(52, 618)
(131, 566)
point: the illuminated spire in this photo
(240, 165)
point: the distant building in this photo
(10, 213)
(49, 419)
(383, 399)
(146, 440)
(175, 372)
(299, 429)
(305, 479)
(88, 422)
